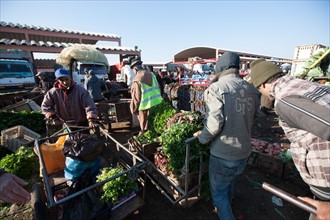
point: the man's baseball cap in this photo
(61, 73)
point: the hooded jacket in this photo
(74, 104)
(231, 105)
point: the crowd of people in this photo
(232, 104)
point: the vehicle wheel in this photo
(39, 209)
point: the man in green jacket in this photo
(145, 93)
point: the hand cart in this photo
(44, 202)
(184, 192)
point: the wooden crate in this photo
(271, 165)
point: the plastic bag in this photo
(75, 168)
(84, 147)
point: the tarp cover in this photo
(81, 53)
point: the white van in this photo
(16, 75)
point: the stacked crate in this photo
(186, 97)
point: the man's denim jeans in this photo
(222, 175)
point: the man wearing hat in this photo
(309, 151)
(145, 93)
(231, 105)
(69, 102)
(45, 83)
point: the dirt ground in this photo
(250, 201)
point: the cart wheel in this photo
(39, 209)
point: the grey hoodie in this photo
(231, 105)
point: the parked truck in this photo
(16, 71)
(77, 58)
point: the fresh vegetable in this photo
(23, 163)
(32, 120)
(183, 116)
(116, 188)
(175, 148)
(158, 116)
(147, 137)
(313, 69)
(265, 147)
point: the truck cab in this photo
(16, 75)
(78, 68)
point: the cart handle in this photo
(290, 198)
(189, 140)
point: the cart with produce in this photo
(176, 160)
(182, 188)
(97, 184)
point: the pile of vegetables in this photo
(147, 137)
(183, 117)
(161, 161)
(23, 163)
(116, 188)
(313, 68)
(275, 150)
(32, 120)
(158, 116)
(175, 149)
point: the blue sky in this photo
(163, 28)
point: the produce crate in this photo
(275, 166)
(14, 137)
(116, 110)
(27, 105)
(270, 165)
(148, 150)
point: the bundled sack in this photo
(83, 147)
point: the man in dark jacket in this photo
(69, 101)
(93, 85)
(231, 105)
(45, 83)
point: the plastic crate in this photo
(14, 137)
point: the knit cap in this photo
(226, 61)
(262, 70)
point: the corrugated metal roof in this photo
(6, 41)
(49, 29)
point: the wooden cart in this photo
(183, 191)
